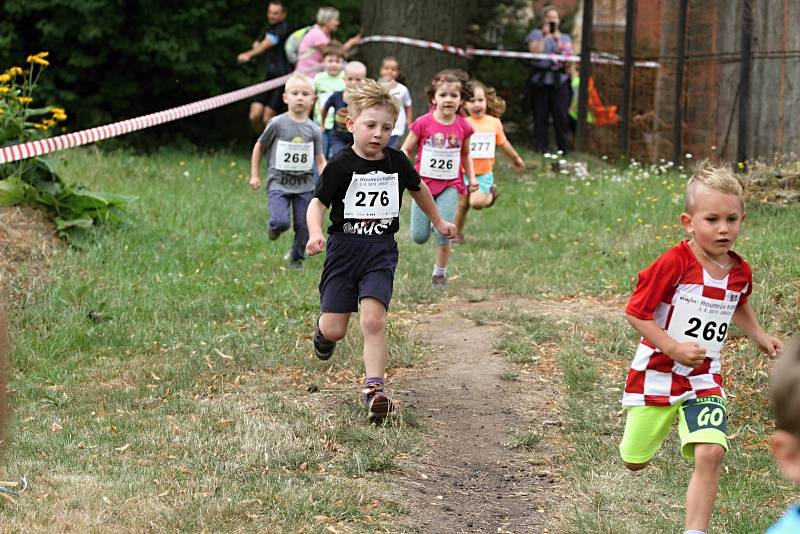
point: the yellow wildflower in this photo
(13, 71)
(40, 126)
(4, 90)
(4, 78)
(25, 100)
(49, 122)
(56, 109)
(39, 58)
(60, 116)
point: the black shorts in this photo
(356, 267)
(272, 99)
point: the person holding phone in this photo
(548, 85)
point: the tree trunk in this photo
(443, 21)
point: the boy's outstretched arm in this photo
(688, 354)
(255, 165)
(314, 215)
(425, 201)
(745, 318)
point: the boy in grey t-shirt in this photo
(294, 143)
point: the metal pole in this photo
(630, 23)
(743, 130)
(585, 72)
(678, 113)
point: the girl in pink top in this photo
(441, 139)
(310, 52)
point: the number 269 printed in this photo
(710, 331)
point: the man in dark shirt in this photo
(270, 103)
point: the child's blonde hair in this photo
(719, 178)
(299, 78)
(371, 94)
(495, 106)
(785, 389)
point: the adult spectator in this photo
(548, 84)
(310, 51)
(270, 103)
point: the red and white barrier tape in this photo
(84, 137)
(468, 52)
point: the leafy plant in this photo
(36, 180)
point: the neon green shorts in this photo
(703, 420)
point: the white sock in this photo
(439, 271)
(693, 532)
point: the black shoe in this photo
(273, 234)
(323, 348)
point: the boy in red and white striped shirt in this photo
(682, 306)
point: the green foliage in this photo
(125, 59)
(74, 205)
(36, 180)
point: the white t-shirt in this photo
(400, 92)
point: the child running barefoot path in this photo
(294, 144)
(441, 139)
(682, 307)
(485, 109)
(363, 185)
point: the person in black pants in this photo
(548, 84)
(270, 103)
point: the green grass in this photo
(161, 377)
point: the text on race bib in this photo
(440, 163)
(482, 145)
(375, 195)
(701, 320)
(294, 157)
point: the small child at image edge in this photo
(785, 442)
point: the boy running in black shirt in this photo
(363, 185)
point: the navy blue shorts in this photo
(356, 267)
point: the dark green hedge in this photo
(116, 59)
